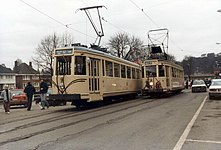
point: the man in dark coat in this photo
(43, 92)
(30, 91)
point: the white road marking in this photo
(203, 141)
(183, 137)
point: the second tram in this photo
(161, 76)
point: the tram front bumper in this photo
(65, 97)
(151, 91)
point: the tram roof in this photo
(98, 52)
(164, 61)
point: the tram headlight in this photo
(61, 86)
(151, 83)
(88, 60)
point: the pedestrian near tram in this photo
(187, 84)
(6, 94)
(30, 91)
(43, 92)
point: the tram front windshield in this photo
(151, 71)
(63, 65)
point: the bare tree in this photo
(135, 49)
(44, 51)
(171, 57)
(135, 42)
(124, 46)
(66, 39)
(187, 64)
(118, 44)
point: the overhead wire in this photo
(113, 25)
(142, 10)
(105, 20)
(67, 25)
(59, 22)
(84, 2)
(181, 49)
(154, 22)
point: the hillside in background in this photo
(206, 64)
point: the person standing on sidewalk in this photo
(43, 92)
(30, 91)
(6, 94)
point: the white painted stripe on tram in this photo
(183, 137)
(203, 141)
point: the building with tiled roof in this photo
(23, 68)
(26, 73)
(7, 77)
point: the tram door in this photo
(94, 79)
(167, 76)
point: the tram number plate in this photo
(148, 63)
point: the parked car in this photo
(215, 89)
(18, 97)
(198, 86)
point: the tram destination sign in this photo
(148, 63)
(63, 51)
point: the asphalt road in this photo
(187, 121)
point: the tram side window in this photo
(151, 71)
(142, 71)
(63, 65)
(133, 73)
(128, 72)
(173, 72)
(181, 74)
(161, 69)
(123, 71)
(116, 70)
(109, 68)
(103, 68)
(138, 74)
(167, 71)
(80, 65)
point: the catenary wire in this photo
(142, 10)
(59, 22)
(114, 25)
(153, 21)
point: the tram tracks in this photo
(47, 120)
(64, 115)
(132, 104)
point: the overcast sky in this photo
(194, 25)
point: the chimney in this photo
(16, 64)
(30, 64)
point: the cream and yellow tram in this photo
(161, 76)
(82, 75)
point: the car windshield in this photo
(198, 82)
(16, 92)
(216, 83)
